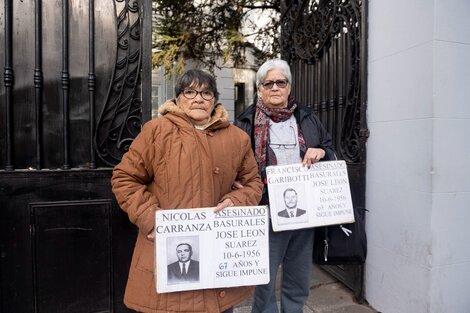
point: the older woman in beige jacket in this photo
(189, 157)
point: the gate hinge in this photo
(364, 133)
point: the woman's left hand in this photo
(151, 235)
(312, 156)
(222, 205)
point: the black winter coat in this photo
(313, 131)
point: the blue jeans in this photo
(293, 249)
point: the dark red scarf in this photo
(264, 155)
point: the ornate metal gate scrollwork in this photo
(322, 38)
(121, 117)
(66, 62)
(324, 41)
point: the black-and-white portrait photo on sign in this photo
(291, 206)
(183, 259)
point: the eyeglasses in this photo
(281, 83)
(205, 94)
(292, 142)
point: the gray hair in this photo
(273, 64)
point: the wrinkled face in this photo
(183, 252)
(290, 199)
(274, 97)
(194, 104)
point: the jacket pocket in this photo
(146, 257)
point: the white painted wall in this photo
(451, 151)
(418, 171)
(226, 87)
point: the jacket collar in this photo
(219, 118)
(248, 114)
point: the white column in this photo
(418, 171)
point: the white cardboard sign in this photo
(227, 249)
(300, 197)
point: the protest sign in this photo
(225, 249)
(301, 197)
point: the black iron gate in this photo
(76, 88)
(325, 43)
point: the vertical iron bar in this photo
(146, 44)
(331, 83)
(340, 81)
(307, 84)
(364, 133)
(316, 106)
(311, 85)
(347, 89)
(324, 80)
(304, 82)
(110, 260)
(32, 233)
(8, 78)
(91, 78)
(348, 63)
(38, 81)
(65, 80)
(300, 77)
(293, 70)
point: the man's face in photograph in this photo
(183, 252)
(290, 199)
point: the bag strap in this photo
(325, 242)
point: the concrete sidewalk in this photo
(327, 295)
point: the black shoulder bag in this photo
(341, 244)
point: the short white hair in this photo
(273, 64)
